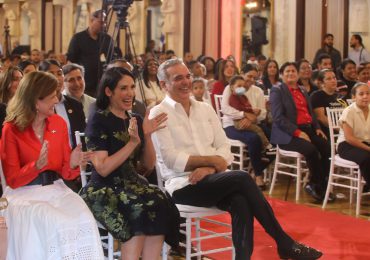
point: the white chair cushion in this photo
(236, 143)
(344, 163)
(290, 153)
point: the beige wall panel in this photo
(212, 29)
(196, 27)
(313, 24)
(335, 16)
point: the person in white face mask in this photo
(240, 102)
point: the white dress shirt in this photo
(60, 109)
(359, 55)
(354, 117)
(199, 134)
(255, 97)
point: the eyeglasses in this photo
(305, 67)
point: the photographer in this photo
(91, 49)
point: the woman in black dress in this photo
(136, 213)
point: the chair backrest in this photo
(333, 115)
(83, 173)
(158, 169)
(218, 100)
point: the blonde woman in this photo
(47, 220)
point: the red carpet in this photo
(338, 236)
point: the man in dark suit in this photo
(295, 128)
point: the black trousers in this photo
(316, 153)
(237, 193)
(357, 155)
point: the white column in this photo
(196, 28)
(313, 24)
(212, 36)
(284, 30)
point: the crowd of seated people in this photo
(119, 136)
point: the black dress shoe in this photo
(313, 192)
(332, 197)
(299, 252)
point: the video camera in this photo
(120, 7)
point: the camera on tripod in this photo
(119, 4)
(121, 8)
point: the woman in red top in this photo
(47, 220)
(226, 70)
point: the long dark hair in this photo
(265, 77)
(146, 72)
(110, 79)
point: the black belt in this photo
(45, 178)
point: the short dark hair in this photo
(98, 13)
(328, 35)
(359, 38)
(23, 64)
(289, 63)
(192, 62)
(248, 67)
(345, 62)
(170, 52)
(110, 79)
(323, 57)
(235, 78)
(261, 57)
(45, 65)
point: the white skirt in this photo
(50, 222)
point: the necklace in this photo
(39, 131)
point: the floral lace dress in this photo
(124, 202)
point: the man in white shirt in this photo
(74, 84)
(195, 153)
(358, 53)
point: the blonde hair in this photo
(36, 85)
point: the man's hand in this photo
(199, 173)
(244, 123)
(320, 132)
(304, 136)
(219, 163)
